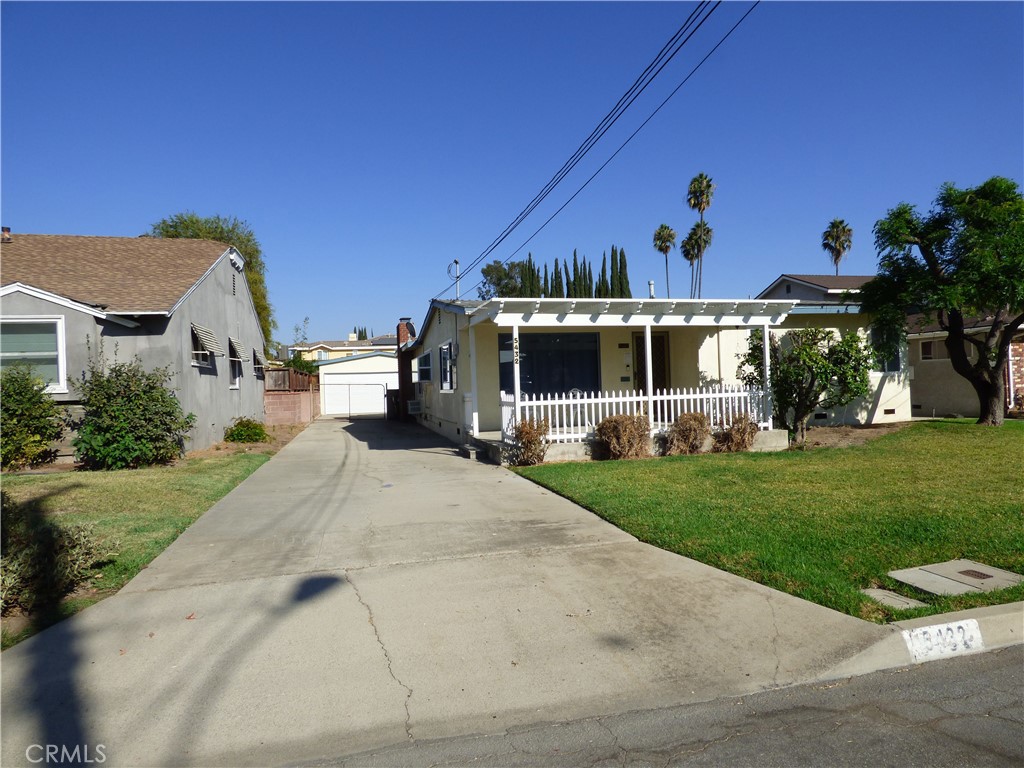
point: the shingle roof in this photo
(121, 274)
(386, 340)
(834, 282)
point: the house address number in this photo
(515, 351)
(940, 641)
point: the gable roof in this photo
(385, 340)
(837, 284)
(121, 275)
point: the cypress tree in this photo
(569, 291)
(615, 289)
(603, 291)
(576, 292)
(624, 275)
(590, 278)
(547, 285)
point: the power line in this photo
(629, 139)
(679, 39)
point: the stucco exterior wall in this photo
(443, 411)
(890, 392)
(936, 389)
(217, 303)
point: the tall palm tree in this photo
(698, 197)
(697, 241)
(837, 239)
(665, 241)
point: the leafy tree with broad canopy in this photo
(962, 261)
(235, 233)
(810, 369)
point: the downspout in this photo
(472, 379)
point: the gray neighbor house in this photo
(176, 303)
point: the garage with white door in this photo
(358, 385)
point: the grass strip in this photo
(143, 510)
(825, 523)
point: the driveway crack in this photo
(387, 656)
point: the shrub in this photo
(739, 437)
(687, 434)
(42, 560)
(131, 419)
(29, 419)
(624, 436)
(245, 430)
(530, 443)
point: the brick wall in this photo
(291, 407)
(1017, 366)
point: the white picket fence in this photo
(572, 416)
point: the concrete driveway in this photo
(368, 587)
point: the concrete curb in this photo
(999, 625)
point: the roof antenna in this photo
(455, 266)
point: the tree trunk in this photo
(991, 399)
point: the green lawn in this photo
(143, 510)
(825, 523)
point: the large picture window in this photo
(552, 363)
(38, 342)
(890, 365)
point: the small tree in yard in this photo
(810, 369)
(29, 419)
(131, 418)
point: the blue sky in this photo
(369, 144)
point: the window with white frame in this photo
(236, 357)
(927, 350)
(37, 341)
(423, 367)
(259, 363)
(321, 354)
(205, 346)
(446, 370)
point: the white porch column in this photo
(475, 400)
(515, 374)
(649, 374)
(766, 383)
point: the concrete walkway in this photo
(367, 587)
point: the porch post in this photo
(766, 383)
(474, 402)
(649, 371)
(515, 374)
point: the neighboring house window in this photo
(446, 374)
(891, 365)
(321, 354)
(423, 367)
(204, 346)
(927, 350)
(236, 357)
(39, 342)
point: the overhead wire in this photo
(627, 141)
(671, 48)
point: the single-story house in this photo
(938, 390)
(319, 351)
(484, 364)
(176, 303)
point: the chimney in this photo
(353, 337)
(405, 332)
(6, 236)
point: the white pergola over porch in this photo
(572, 415)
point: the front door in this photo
(659, 361)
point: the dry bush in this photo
(625, 437)
(739, 437)
(530, 443)
(687, 434)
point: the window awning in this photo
(261, 361)
(208, 339)
(237, 350)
